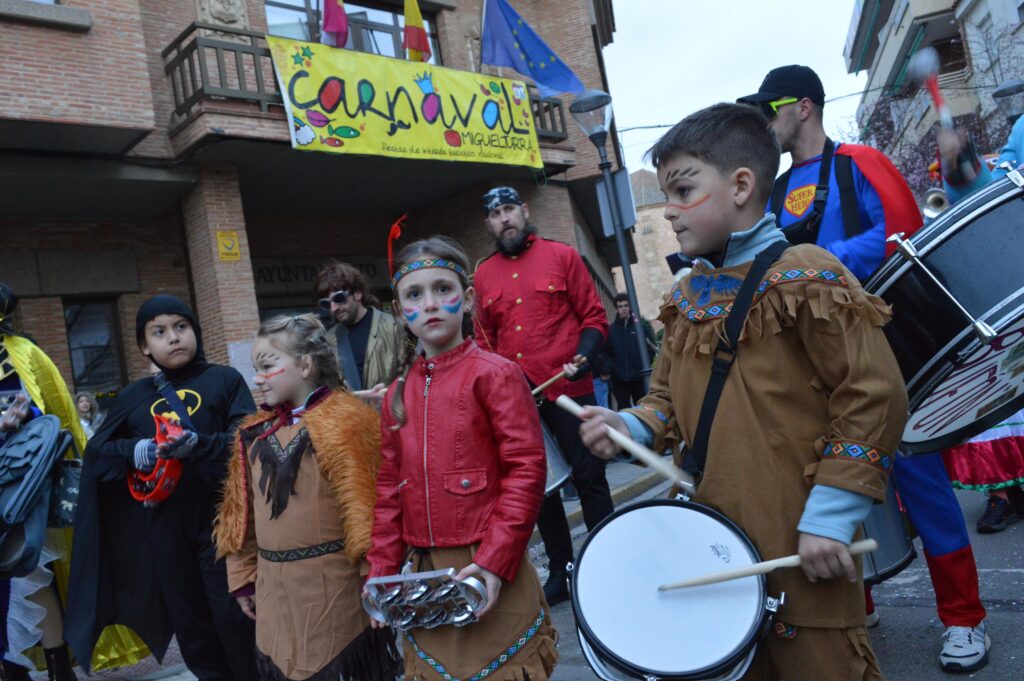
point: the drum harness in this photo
(725, 355)
(805, 230)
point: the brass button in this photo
(519, 301)
(490, 300)
(519, 355)
(465, 484)
(515, 257)
(518, 327)
(551, 287)
(515, 275)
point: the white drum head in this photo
(620, 610)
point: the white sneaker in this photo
(872, 619)
(964, 649)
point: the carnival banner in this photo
(347, 102)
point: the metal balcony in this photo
(209, 62)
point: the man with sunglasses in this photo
(371, 343)
(848, 199)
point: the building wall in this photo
(158, 257)
(653, 239)
(94, 78)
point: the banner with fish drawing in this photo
(347, 102)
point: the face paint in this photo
(271, 374)
(410, 314)
(453, 305)
(692, 205)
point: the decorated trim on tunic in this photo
(495, 664)
(698, 314)
(661, 417)
(290, 555)
(852, 450)
(786, 631)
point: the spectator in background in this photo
(627, 374)
(89, 414)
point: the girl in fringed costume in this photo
(297, 512)
(461, 479)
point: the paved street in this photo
(907, 640)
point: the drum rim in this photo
(753, 634)
(1000, 191)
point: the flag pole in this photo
(483, 20)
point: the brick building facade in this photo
(130, 136)
(653, 239)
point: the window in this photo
(370, 29)
(93, 340)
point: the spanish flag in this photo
(415, 39)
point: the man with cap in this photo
(538, 306)
(848, 199)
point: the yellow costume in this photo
(118, 646)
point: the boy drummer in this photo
(812, 408)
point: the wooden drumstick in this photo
(856, 548)
(668, 470)
(557, 377)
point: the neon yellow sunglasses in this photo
(771, 109)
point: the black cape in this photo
(111, 568)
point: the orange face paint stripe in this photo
(692, 205)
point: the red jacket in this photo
(468, 466)
(531, 308)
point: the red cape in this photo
(899, 204)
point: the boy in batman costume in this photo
(154, 568)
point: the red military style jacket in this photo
(532, 307)
(468, 466)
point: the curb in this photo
(621, 494)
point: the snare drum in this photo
(885, 524)
(630, 631)
(960, 380)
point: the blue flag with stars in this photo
(509, 41)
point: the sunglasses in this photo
(771, 109)
(338, 298)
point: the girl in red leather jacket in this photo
(461, 479)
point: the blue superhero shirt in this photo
(863, 253)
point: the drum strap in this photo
(725, 354)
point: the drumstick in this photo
(557, 377)
(648, 457)
(856, 548)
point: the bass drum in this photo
(630, 631)
(958, 385)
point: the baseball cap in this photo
(788, 81)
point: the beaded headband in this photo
(428, 263)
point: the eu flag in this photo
(509, 41)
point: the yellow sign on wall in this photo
(346, 102)
(227, 245)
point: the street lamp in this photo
(592, 109)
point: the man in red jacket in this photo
(537, 306)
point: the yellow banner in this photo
(347, 102)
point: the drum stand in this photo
(985, 333)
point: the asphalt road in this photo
(909, 637)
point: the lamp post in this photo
(592, 110)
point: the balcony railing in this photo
(209, 62)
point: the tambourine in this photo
(424, 599)
(155, 486)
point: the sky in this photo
(670, 58)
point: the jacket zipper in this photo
(426, 475)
